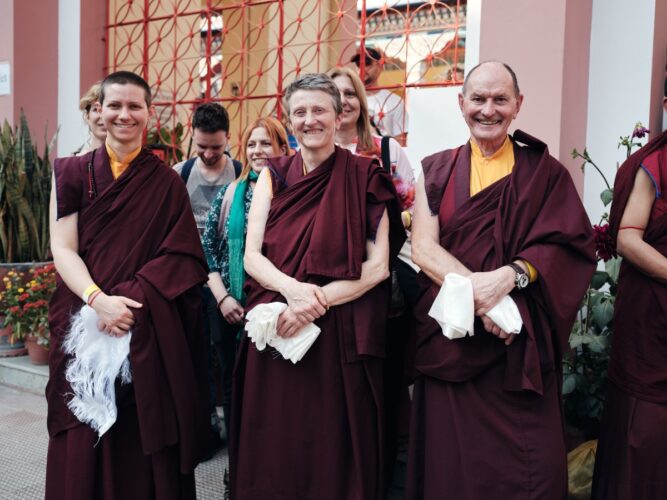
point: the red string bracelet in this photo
(93, 297)
(632, 227)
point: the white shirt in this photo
(387, 112)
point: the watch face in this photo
(523, 280)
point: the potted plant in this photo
(25, 185)
(10, 344)
(27, 295)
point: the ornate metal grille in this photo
(241, 53)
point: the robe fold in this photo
(487, 421)
(138, 239)
(314, 430)
(631, 462)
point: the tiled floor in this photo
(23, 442)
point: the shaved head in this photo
(509, 70)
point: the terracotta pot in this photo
(39, 355)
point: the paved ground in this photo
(23, 442)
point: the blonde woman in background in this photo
(92, 114)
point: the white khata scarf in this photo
(98, 360)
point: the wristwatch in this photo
(521, 279)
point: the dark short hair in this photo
(210, 117)
(314, 81)
(371, 55)
(515, 82)
(123, 78)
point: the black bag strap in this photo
(238, 166)
(386, 157)
(187, 168)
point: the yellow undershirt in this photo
(119, 166)
(485, 170)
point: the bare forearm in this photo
(436, 262)
(217, 286)
(643, 256)
(265, 273)
(72, 269)
(344, 291)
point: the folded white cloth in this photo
(98, 360)
(454, 309)
(262, 331)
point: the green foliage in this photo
(585, 367)
(25, 185)
(171, 138)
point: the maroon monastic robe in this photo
(138, 239)
(631, 462)
(487, 420)
(313, 430)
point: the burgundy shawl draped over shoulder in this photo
(138, 238)
(328, 229)
(639, 346)
(534, 214)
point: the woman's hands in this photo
(306, 303)
(231, 310)
(116, 317)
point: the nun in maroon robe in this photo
(314, 430)
(487, 418)
(631, 459)
(138, 239)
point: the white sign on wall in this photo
(4, 78)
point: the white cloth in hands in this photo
(98, 360)
(454, 309)
(262, 328)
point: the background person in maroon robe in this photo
(124, 240)
(487, 420)
(631, 462)
(321, 230)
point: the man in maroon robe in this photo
(314, 429)
(128, 227)
(631, 462)
(487, 419)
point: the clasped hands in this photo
(488, 289)
(116, 317)
(306, 303)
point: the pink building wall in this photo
(93, 48)
(550, 57)
(7, 54)
(36, 65)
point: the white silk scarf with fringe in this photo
(98, 360)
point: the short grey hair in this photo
(515, 82)
(314, 81)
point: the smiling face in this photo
(260, 148)
(125, 114)
(210, 147)
(314, 120)
(95, 123)
(489, 105)
(351, 104)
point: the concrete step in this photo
(21, 373)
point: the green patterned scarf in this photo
(236, 237)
